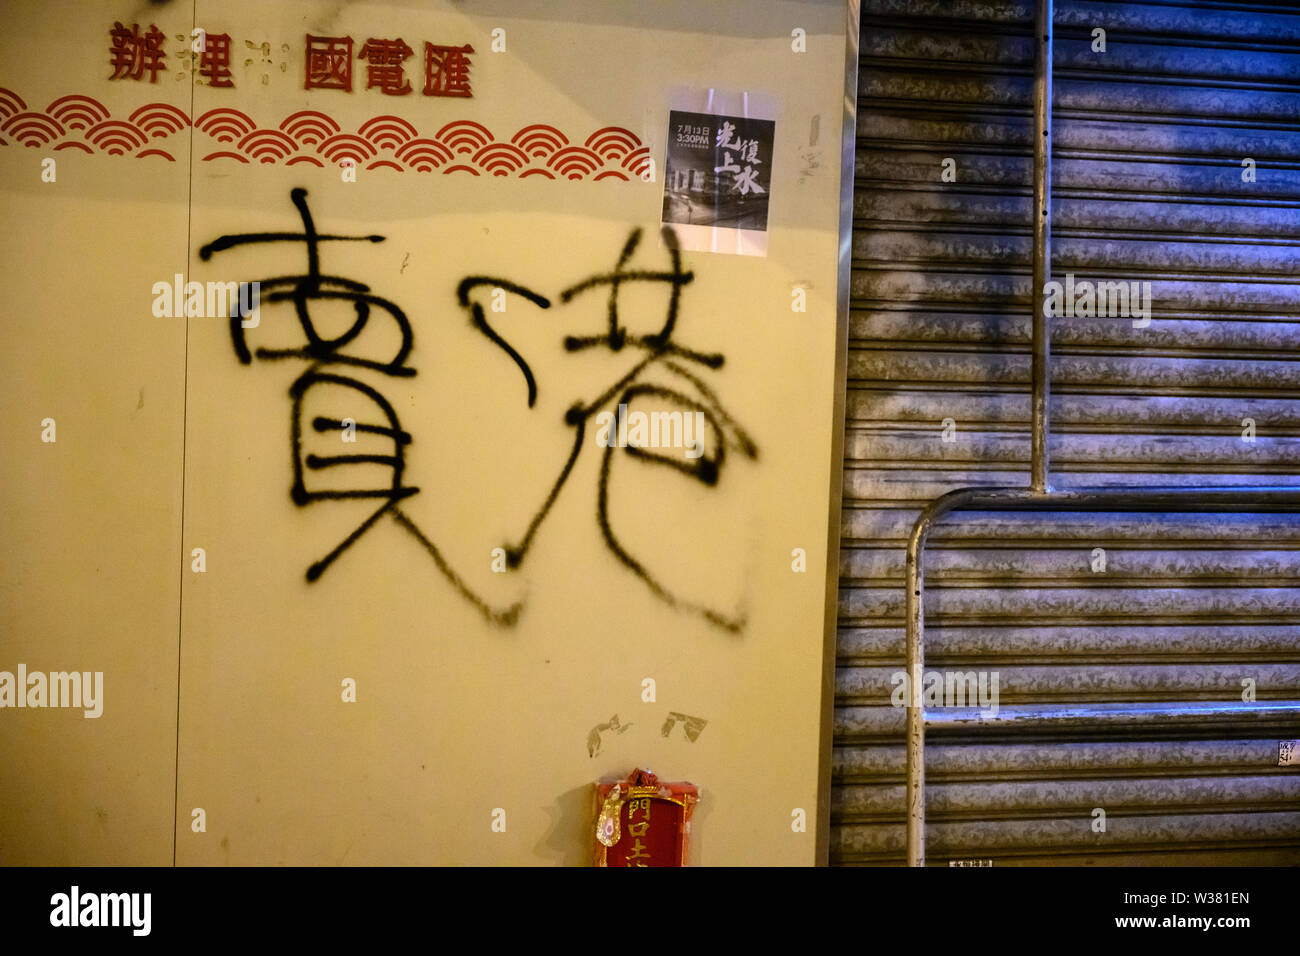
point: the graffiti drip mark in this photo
(507, 618)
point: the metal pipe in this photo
(1041, 375)
(1041, 496)
(915, 674)
(1041, 383)
(1247, 498)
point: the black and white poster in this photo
(718, 181)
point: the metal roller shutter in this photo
(1147, 180)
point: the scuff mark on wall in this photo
(593, 737)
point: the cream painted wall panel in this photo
(455, 715)
(90, 563)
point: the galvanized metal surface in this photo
(1272, 718)
(1148, 188)
(1125, 833)
(1078, 684)
(1040, 370)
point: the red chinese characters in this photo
(214, 61)
(642, 822)
(329, 66)
(385, 65)
(446, 70)
(327, 60)
(329, 63)
(131, 54)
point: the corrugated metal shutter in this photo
(1149, 141)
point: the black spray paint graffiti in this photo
(656, 350)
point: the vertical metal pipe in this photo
(915, 708)
(933, 512)
(1041, 373)
(1040, 386)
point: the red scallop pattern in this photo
(310, 136)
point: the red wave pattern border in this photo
(310, 136)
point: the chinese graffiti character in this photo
(651, 352)
(214, 61)
(301, 290)
(132, 53)
(315, 386)
(329, 63)
(385, 65)
(446, 70)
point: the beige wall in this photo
(222, 689)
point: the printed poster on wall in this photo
(718, 181)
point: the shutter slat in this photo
(1119, 688)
